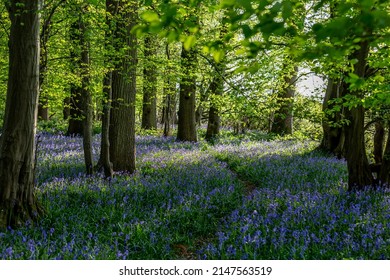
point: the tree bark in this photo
(105, 141)
(86, 95)
(186, 130)
(379, 137)
(384, 174)
(66, 108)
(216, 91)
(149, 109)
(75, 124)
(283, 118)
(169, 109)
(359, 173)
(17, 143)
(203, 95)
(43, 109)
(333, 138)
(122, 118)
(104, 160)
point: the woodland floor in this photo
(240, 198)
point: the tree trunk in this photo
(149, 110)
(86, 95)
(167, 113)
(17, 143)
(283, 118)
(104, 160)
(384, 174)
(66, 108)
(122, 118)
(333, 138)
(216, 91)
(43, 109)
(105, 141)
(199, 110)
(359, 174)
(186, 130)
(379, 137)
(169, 109)
(75, 125)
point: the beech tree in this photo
(75, 121)
(333, 133)
(86, 95)
(123, 86)
(283, 117)
(149, 109)
(169, 102)
(359, 173)
(104, 160)
(17, 143)
(186, 129)
(216, 91)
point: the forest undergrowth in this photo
(237, 198)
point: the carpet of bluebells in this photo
(231, 200)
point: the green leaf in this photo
(218, 55)
(227, 3)
(379, 78)
(353, 76)
(189, 42)
(287, 11)
(172, 36)
(93, 2)
(246, 4)
(150, 16)
(247, 30)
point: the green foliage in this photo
(260, 38)
(4, 31)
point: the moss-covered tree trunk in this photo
(17, 144)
